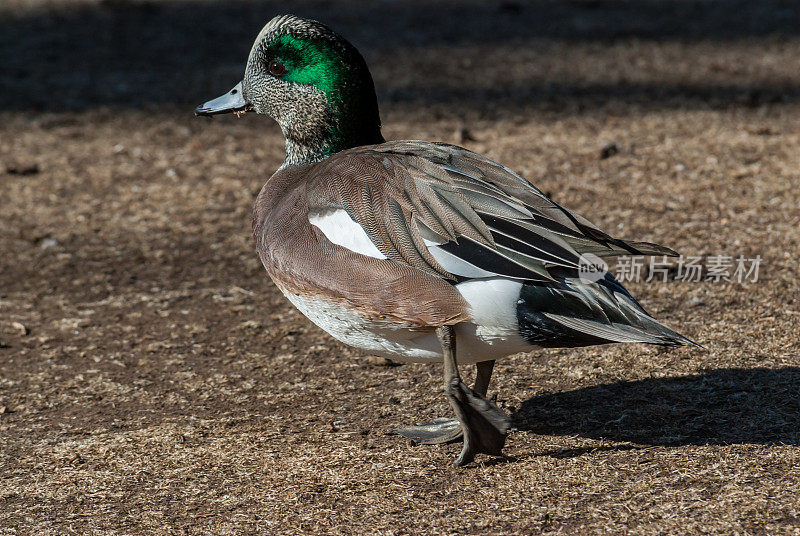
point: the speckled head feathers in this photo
(315, 84)
(297, 27)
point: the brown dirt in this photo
(153, 380)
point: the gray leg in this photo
(483, 377)
(484, 424)
(443, 430)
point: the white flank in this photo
(494, 330)
(340, 229)
(492, 334)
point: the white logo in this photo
(591, 268)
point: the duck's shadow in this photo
(724, 406)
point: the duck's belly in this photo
(492, 333)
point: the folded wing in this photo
(456, 214)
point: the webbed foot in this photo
(484, 424)
(436, 432)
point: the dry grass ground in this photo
(154, 381)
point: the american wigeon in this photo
(417, 250)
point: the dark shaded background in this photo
(130, 53)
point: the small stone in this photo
(763, 131)
(379, 361)
(248, 325)
(23, 170)
(609, 149)
(20, 328)
(463, 134)
(48, 243)
(694, 301)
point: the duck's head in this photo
(313, 83)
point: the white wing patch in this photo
(342, 230)
(448, 261)
(456, 265)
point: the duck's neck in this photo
(300, 152)
(345, 123)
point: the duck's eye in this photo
(276, 68)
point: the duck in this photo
(420, 251)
